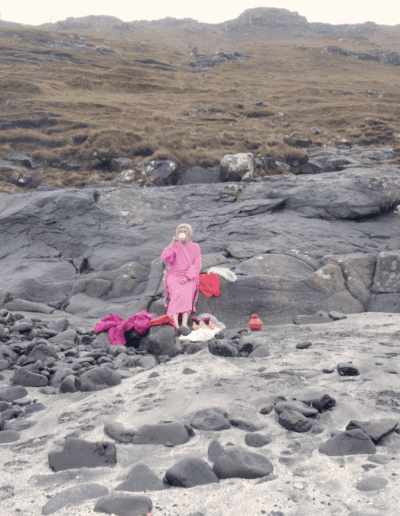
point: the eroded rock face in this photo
(312, 261)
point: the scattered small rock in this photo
(303, 345)
(346, 369)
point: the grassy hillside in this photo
(105, 105)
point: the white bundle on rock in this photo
(204, 334)
(223, 271)
(200, 335)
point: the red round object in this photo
(255, 323)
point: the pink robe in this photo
(184, 261)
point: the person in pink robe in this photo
(182, 279)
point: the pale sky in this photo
(36, 12)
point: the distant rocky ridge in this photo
(255, 19)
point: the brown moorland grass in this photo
(108, 105)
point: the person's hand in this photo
(174, 240)
(185, 279)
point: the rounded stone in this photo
(372, 484)
(98, 379)
(256, 440)
(9, 436)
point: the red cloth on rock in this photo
(209, 284)
(163, 319)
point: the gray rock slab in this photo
(352, 442)
(78, 453)
(277, 264)
(375, 429)
(74, 496)
(141, 478)
(387, 273)
(190, 472)
(124, 505)
(389, 303)
(358, 271)
(240, 463)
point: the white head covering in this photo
(185, 225)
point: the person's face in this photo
(184, 230)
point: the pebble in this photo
(372, 484)
(347, 369)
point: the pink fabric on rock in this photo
(184, 261)
(117, 326)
